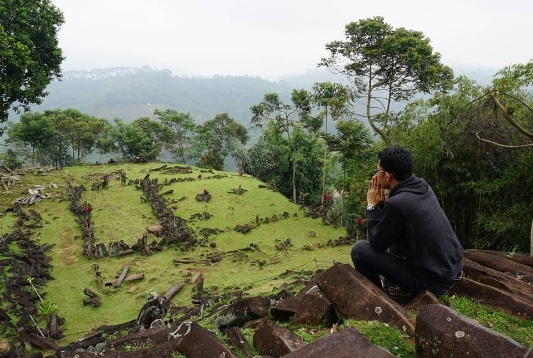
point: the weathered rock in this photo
(528, 279)
(183, 339)
(353, 295)
(155, 229)
(498, 262)
(243, 310)
(194, 341)
(443, 332)
(82, 344)
(315, 309)
(523, 259)
(285, 309)
(41, 342)
(422, 299)
(494, 297)
(237, 339)
(151, 336)
(497, 279)
(152, 310)
(347, 343)
(313, 282)
(276, 341)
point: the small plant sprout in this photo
(30, 281)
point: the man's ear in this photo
(389, 176)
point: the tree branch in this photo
(509, 119)
(503, 145)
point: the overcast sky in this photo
(272, 38)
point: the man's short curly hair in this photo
(397, 161)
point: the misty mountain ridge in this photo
(131, 93)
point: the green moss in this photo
(383, 335)
(520, 330)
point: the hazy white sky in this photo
(271, 38)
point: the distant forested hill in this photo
(131, 93)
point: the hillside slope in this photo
(91, 244)
(242, 239)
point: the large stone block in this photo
(242, 311)
(498, 262)
(443, 332)
(422, 299)
(315, 309)
(494, 297)
(285, 309)
(497, 279)
(194, 341)
(276, 341)
(347, 343)
(189, 339)
(147, 337)
(237, 339)
(353, 295)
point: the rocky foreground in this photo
(493, 278)
(502, 281)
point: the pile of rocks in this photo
(340, 292)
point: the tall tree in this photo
(285, 117)
(182, 124)
(218, 138)
(37, 131)
(105, 142)
(30, 57)
(386, 65)
(511, 97)
(333, 100)
(81, 130)
(142, 139)
(351, 142)
(270, 160)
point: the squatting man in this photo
(411, 244)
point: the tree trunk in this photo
(369, 116)
(294, 176)
(324, 175)
(325, 160)
(531, 239)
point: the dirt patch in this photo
(67, 248)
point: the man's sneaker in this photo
(395, 292)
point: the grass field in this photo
(119, 214)
(284, 239)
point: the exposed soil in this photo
(68, 249)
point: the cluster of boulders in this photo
(25, 312)
(328, 298)
(174, 229)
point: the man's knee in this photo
(358, 249)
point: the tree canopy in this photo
(182, 124)
(30, 56)
(284, 117)
(218, 138)
(386, 65)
